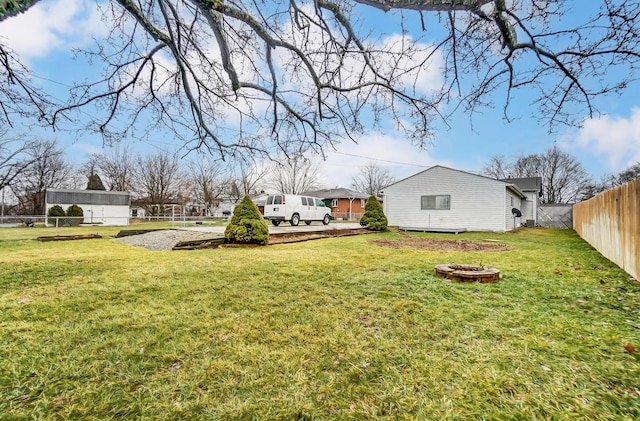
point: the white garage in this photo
(99, 207)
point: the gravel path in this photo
(165, 239)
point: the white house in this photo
(98, 206)
(532, 189)
(445, 199)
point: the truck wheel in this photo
(295, 220)
(326, 219)
(307, 222)
(275, 223)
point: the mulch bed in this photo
(433, 244)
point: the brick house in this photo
(345, 204)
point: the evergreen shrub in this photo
(54, 211)
(374, 217)
(75, 212)
(246, 224)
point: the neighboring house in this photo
(345, 204)
(98, 206)
(445, 199)
(260, 200)
(532, 189)
(142, 208)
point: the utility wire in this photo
(381, 160)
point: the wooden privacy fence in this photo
(610, 222)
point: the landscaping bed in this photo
(274, 238)
(439, 244)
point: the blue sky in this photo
(606, 144)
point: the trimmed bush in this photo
(247, 225)
(373, 215)
(75, 212)
(54, 211)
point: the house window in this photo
(334, 203)
(435, 202)
(363, 202)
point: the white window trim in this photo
(436, 196)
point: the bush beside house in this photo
(55, 212)
(75, 213)
(373, 217)
(247, 225)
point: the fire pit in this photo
(467, 273)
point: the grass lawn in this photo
(328, 329)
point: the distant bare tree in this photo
(116, 167)
(497, 167)
(13, 159)
(294, 176)
(47, 169)
(564, 179)
(246, 177)
(628, 174)
(208, 180)
(158, 180)
(372, 179)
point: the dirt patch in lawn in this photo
(441, 245)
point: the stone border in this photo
(467, 273)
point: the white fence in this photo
(68, 221)
(347, 216)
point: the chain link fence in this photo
(556, 216)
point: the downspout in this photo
(350, 204)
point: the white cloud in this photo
(615, 140)
(84, 150)
(396, 154)
(51, 26)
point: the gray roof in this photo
(525, 183)
(87, 197)
(337, 193)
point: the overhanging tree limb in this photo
(293, 75)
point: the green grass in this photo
(30, 233)
(328, 329)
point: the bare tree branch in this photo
(287, 76)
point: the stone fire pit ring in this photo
(467, 273)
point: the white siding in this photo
(512, 201)
(99, 214)
(477, 202)
(530, 206)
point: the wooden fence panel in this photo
(610, 222)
